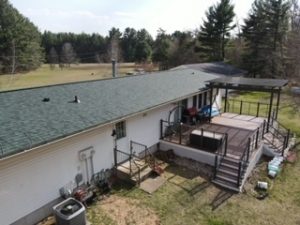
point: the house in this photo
(50, 134)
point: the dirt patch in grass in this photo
(123, 211)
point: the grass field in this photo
(289, 109)
(187, 198)
(45, 76)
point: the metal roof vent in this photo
(46, 100)
(76, 99)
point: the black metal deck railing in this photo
(257, 109)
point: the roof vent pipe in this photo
(113, 62)
(76, 100)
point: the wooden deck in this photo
(238, 127)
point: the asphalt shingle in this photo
(27, 121)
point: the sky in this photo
(99, 16)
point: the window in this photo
(195, 101)
(121, 129)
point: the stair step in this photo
(230, 161)
(226, 185)
(228, 165)
(225, 178)
(227, 173)
(143, 175)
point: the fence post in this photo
(241, 107)
(258, 106)
(161, 129)
(256, 140)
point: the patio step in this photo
(226, 178)
(226, 185)
(143, 175)
(228, 173)
(230, 161)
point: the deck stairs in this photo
(227, 175)
(230, 169)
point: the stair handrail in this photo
(138, 173)
(284, 138)
(148, 156)
(220, 153)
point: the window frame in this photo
(120, 129)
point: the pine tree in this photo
(161, 49)
(215, 31)
(265, 32)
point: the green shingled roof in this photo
(26, 121)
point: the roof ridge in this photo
(86, 81)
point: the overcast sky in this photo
(99, 16)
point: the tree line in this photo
(266, 44)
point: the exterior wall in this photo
(144, 128)
(30, 182)
(187, 152)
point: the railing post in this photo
(201, 141)
(263, 131)
(283, 146)
(130, 169)
(161, 129)
(258, 106)
(115, 156)
(226, 139)
(248, 150)
(256, 139)
(239, 174)
(241, 107)
(180, 138)
(216, 165)
(287, 138)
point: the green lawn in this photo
(289, 111)
(187, 198)
(45, 76)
